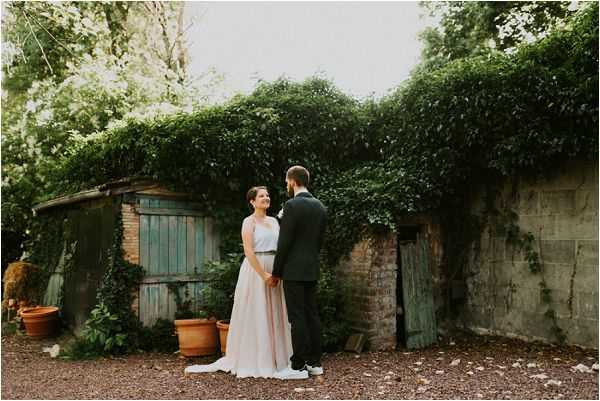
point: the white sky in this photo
(363, 47)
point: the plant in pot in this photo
(196, 332)
(23, 285)
(217, 295)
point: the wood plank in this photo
(191, 245)
(144, 239)
(199, 243)
(154, 203)
(169, 211)
(153, 259)
(181, 245)
(208, 239)
(144, 202)
(152, 279)
(163, 264)
(173, 260)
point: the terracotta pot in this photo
(41, 321)
(223, 327)
(197, 337)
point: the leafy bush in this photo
(332, 299)
(221, 279)
(160, 337)
(102, 334)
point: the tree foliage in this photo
(473, 28)
(72, 69)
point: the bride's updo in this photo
(251, 195)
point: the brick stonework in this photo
(370, 272)
(131, 242)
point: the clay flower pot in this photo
(223, 327)
(197, 337)
(40, 321)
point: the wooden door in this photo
(417, 294)
(175, 242)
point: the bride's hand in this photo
(266, 276)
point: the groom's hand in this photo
(272, 281)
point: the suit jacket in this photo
(301, 236)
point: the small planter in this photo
(40, 322)
(223, 327)
(197, 337)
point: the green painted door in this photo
(175, 242)
(417, 294)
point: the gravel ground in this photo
(486, 371)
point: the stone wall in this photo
(370, 273)
(504, 296)
(131, 243)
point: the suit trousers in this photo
(303, 315)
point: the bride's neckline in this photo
(263, 223)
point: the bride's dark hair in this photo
(251, 194)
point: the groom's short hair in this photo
(299, 174)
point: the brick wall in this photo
(131, 241)
(504, 297)
(370, 273)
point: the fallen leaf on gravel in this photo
(299, 389)
(556, 359)
(310, 389)
(387, 378)
(516, 365)
(552, 382)
(422, 380)
(469, 363)
(53, 351)
(540, 376)
(439, 372)
(581, 368)
(439, 359)
(532, 365)
(520, 360)
(367, 374)
(418, 363)
(390, 373)
(489, 358)
(470, 372)
(501, 367)
(455, 362)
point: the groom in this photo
(297, 264)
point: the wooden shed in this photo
(167, 233)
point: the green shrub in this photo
(160, 337)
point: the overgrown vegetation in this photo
(425, 147)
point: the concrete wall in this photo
(504, 297)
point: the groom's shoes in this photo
(315, 370)
(290, 374)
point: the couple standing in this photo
(271, 325)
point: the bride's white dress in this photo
(259, 340)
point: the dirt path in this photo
(28, 373)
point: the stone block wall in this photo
(504, 296)
(370, 274)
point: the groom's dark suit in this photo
(297, 263)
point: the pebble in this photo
(367, 374)
(439, 372)
(455, 362)
(582, 368)
(421, 389)
(470, 373)
(532, 365)
(541, 376)
(387, 378)
(418, 363)
(516, 365)
(480, 368)
(552, 382)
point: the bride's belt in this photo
(265, 252)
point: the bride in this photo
(259, 340)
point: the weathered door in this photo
(417, 294)
(175, 241)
